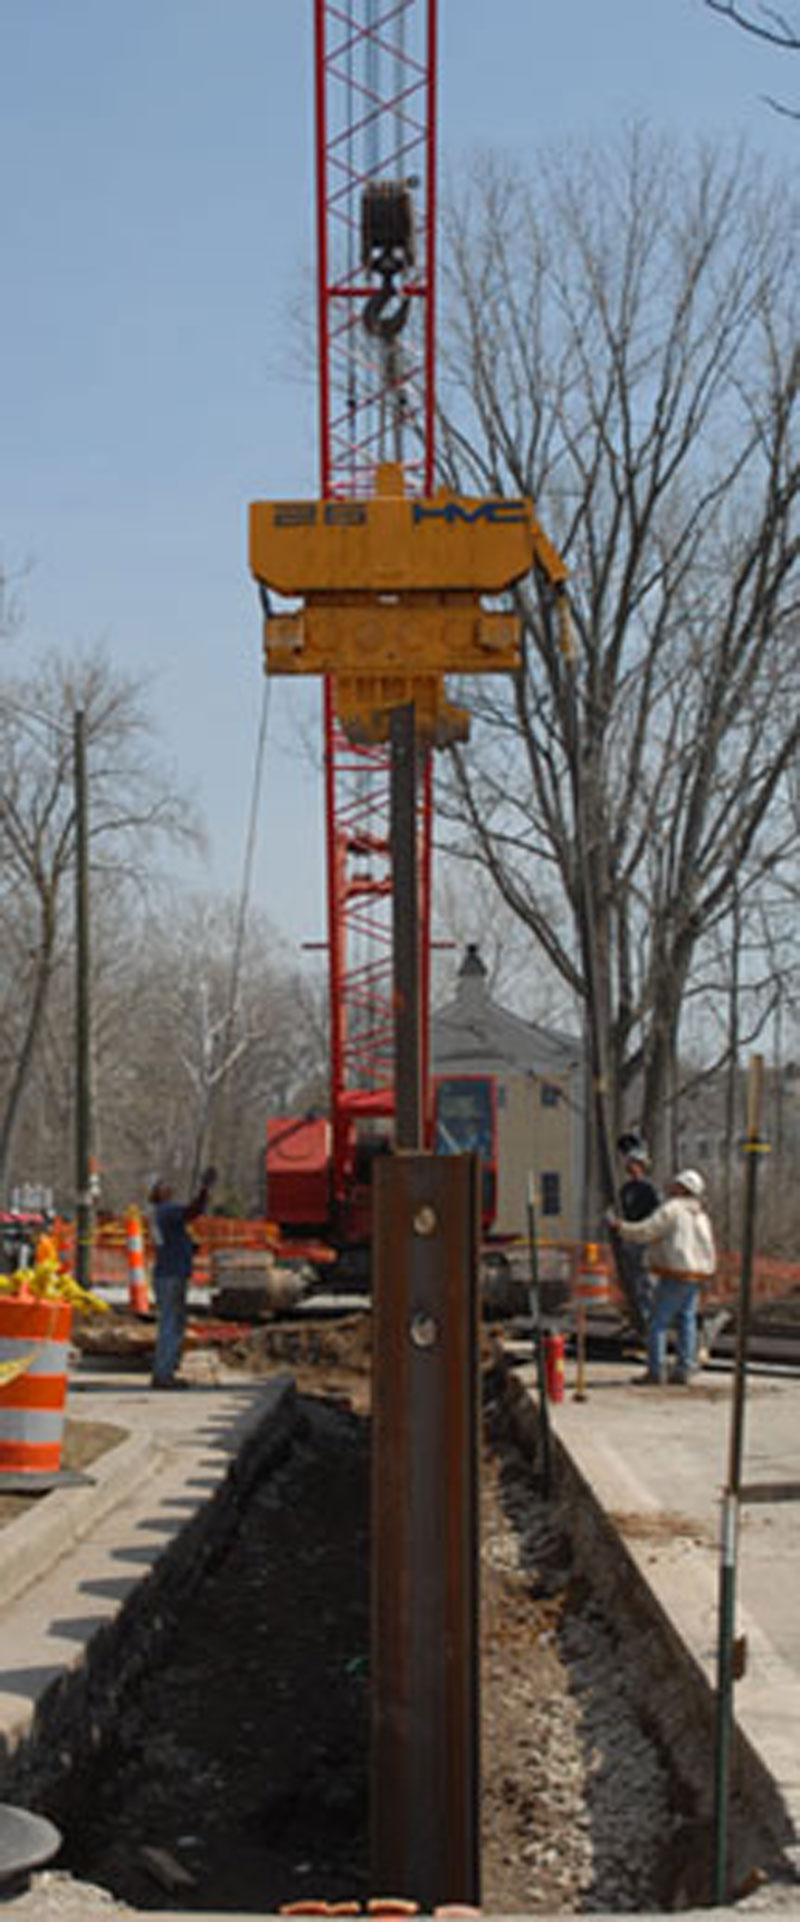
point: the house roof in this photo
(472, 1032)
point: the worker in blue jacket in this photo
(173, 1266)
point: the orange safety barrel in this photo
(592, 1282)
(34, 1345)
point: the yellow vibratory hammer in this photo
(391, 588)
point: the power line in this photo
(250, 845)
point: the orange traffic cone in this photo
(138, 1292)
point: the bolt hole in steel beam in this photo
(424, 1331)
(425, 1738)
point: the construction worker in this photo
(681, 1237)
(638, 1197)
(173, 1266)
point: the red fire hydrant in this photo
(554, 1366)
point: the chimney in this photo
(472, 991)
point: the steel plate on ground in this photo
(26, 1840)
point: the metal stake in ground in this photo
(535, 1298)
(425, 1645)
(753, 1147)
(424, 1641)
(83, 1196)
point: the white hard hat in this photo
(691, 1181)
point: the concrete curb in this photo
(83, 1678)
(767, 1698)
(669, 1614)
(31, 1545)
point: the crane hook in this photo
(388, 249)
(376, 319)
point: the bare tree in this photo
(775, 25)
(133, 806)
(621, 344)
(161, 968)
(11, 608)
(469, 909)
(201, 1078)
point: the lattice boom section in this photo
(375, 113)
(364, 913)
(375, 124)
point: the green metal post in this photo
(534, 1295)
(753, 1147)
(83, 1197)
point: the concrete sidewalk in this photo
(69, 1562)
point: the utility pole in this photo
(754, 1147)
(83, 1196)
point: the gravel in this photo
(579, 1803)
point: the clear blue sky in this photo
(157, 227)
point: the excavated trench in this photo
(213, 1754)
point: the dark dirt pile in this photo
(241, 1761)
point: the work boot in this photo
(649, 1380)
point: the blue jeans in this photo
(674, 1301)
(170, 1293)
(642, 1284)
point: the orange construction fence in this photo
(564, 1261)
(111, 1244)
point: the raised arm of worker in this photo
(197, 1205)
(650, 1229)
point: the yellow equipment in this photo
(392, 590)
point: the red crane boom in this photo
(375, 89)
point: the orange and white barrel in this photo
(138, 1291)
(592, 1282)
(34, 1346)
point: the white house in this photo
(539, 1082)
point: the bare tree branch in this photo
(621, 344)
(133, 807)
(763, 21)
(766, 23)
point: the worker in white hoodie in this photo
(682, 1257)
